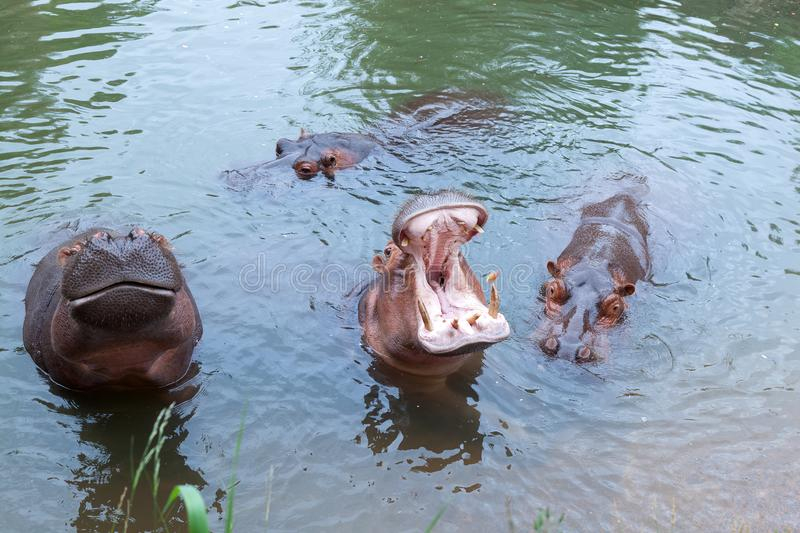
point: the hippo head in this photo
(125, 318)
(581, 303)
(324, 152)
(427, 312)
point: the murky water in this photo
(125, 112)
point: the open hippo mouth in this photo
(452, 316)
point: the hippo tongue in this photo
(439, 246)
(434, 239)
(443, 300)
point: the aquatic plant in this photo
(543, 522)
(197, 519)
(193, 502)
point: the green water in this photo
(122, 113)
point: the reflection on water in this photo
(106, 463)
(37, 102)
(435, 416)
(122, 113)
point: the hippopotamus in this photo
(323, 152)
(426, 313)
(312, 153)
(593, 277)
(109, 310)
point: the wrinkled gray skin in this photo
(593, 277)
(309, 155)
(327, 153)
(106, 310)
(323, 152)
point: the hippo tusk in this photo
(474, 318)
(478, 228)
(494, 302)
(404, 243)
(426, 319)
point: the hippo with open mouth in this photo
(592, 277)
(426, 312)
(111, 310)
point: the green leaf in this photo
(195, 507)
(435, 520)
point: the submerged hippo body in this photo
(426, 312)
(592, 277)
(111, 310)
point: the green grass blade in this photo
(269, 496)
(195, 507)
(435, 520)
(233, 481)
(156, 434)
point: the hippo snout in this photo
(583, 354)
(550, 346)
(580, 349)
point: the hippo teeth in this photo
(423, 311)
(494, 302)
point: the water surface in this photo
(124, 113)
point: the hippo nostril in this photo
(584, 353)
(550, 346)
(100, 235)
(136, 232)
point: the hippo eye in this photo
(330, 161)
(387, 252)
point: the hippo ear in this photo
(283, 146)
(626, 290)
(303, 134)
(378, 264)
(553, 269)
(66, 252)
